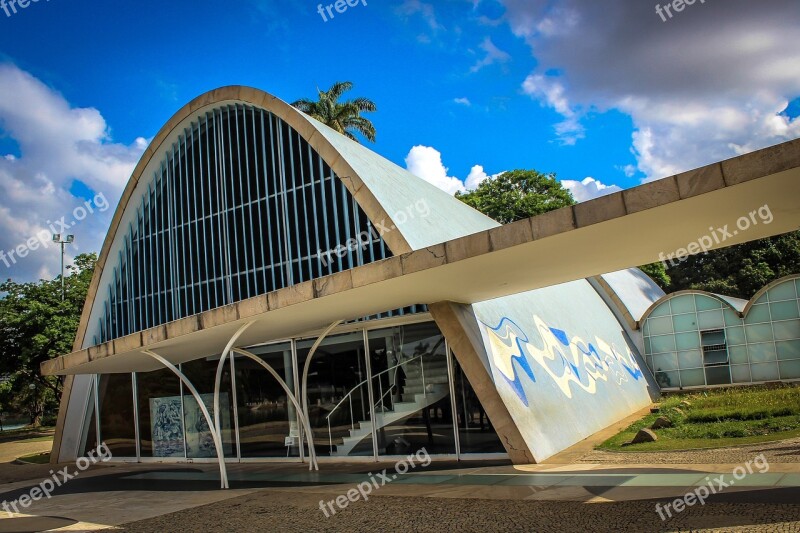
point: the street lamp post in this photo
(68, 240)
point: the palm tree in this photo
(344, 117)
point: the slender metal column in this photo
(223, 473)
(313, 462)
(304, 390)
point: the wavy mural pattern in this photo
(570, 362)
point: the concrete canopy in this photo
(632, 227)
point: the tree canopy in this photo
(739, 270)
(344, 117)
(36, 325)
(517, 194)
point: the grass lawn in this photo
(718, 418)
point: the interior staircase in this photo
(426, 382)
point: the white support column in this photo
(304, 384)
(211, 426)
(313, 458)
(218, 379)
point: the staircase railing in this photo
(350, 394)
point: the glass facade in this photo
(240, 206)
(695, 339)
(372, 391)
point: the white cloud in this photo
(588, 189)
(426, 162)
(463, 101)
(416, 7)
(708, 84)
(58, 144)
(493, 55)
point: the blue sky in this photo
(605, 94)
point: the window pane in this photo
(475, 432)
(660, 326)
(116, 414)
(740, 374)
(783, 291)
(199, 440)
(663, 343)
(759, 333)
(410, 387)
(682, 304)
(685, 322)
(762, 352)
(786, 330)
(735, 335)
(764, 372)
(789, 369)
(788, 349)
(705, 303)
(692, 378)
(710, 319)
(784, 310)
(687, 341)
(739, 355)
(693, 359)
(758, 313)
(160, 421)
(718, 375)
(268, 424)
(667, 361)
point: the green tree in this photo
(344, 117)
(658, 273)
(36, 325)
(739, 270)
(518, 194)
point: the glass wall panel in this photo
(731, 317)
(660, 326)
(410, 386)
(786, 330)
(268, 425)
(686, 322)
(738, 355)
(160, 414)
(788, 349)
(762, 352)
(758, 314)
(783, 291)
(475, 432)
(682, 304)
(668, 380)
(663, 343)
(692, 378)
(789, 369)
(687, 341)
(784, 310)
(740, 374)
(199, 440)
(667, 361)
(338, 395)
(116, 414)
(691, 359)
(662, 310)
(717, 375)
(710, 319)
(735, 335)
(759, 333)
(90, 440)
(764, 372)
(705, 303)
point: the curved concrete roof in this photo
(387, 193)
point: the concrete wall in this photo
(561, 364)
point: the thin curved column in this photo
(217, 440)
(218, 380)
(304, 381)
(313, 462)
